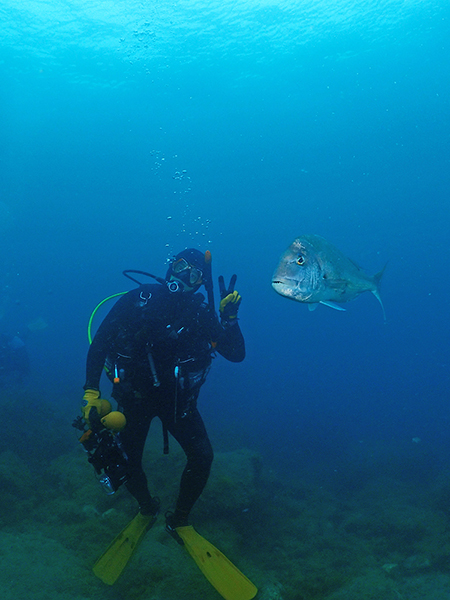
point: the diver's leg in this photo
(190, 433)
(133, 439)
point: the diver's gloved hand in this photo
(92, 399)
(230, 301)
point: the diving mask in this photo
(182, 267)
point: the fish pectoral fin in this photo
(378, 297)
(312, 307)
(332, 305)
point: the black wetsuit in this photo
(160, 345)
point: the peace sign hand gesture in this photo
(230, 301)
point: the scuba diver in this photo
(156, 345)
(14, 360)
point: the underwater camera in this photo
(105, 452)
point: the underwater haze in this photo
(131, 130)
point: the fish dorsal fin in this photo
(332, 305)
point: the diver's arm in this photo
(94, 364)
(102, 342)
(230, 342)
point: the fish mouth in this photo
(279, 285)
(288, 282)
(284, 288)
(289, 288)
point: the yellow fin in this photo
(215, 566)
(115, 558)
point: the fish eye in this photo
(301, 259)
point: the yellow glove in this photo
(230, 300)
(229, 306)
(92, 398)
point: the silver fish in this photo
(315, 272)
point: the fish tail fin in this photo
(376, 292)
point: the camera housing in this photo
(105, 452)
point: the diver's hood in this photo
(180, 281)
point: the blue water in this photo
(133, 129)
